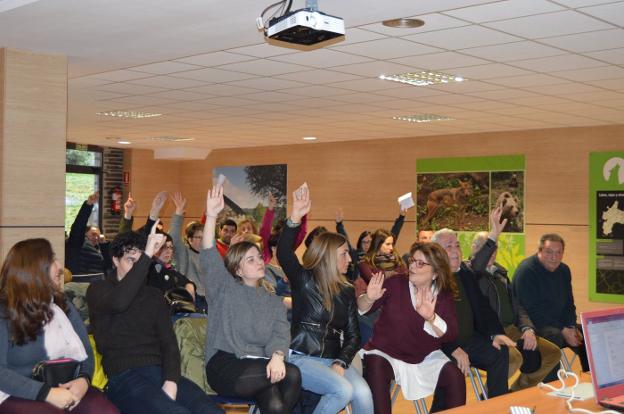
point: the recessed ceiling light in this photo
(309, 138)
(404, 23)
(128, 114)
(124, 142)
(422, 118)
(423, 78)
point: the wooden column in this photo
(33, 125)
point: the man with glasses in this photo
(161, 273)
(481, 341)
(543, 285)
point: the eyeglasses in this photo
(167, 247)
(417, 263)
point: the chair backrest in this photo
(191, 335)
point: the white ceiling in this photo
(202, 63)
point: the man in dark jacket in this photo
(537, 355)
(481, 341)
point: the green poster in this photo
(459, 193)
(606, 226)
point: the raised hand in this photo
(339, 215)
(154, 241)
(237, 238)
(180, 203)
(425, 303)
(301, 203)
(375, 289)
(157, 205)
(214, 202)
(272, 202)
(129, 206)
(93, 198)
(496, 227)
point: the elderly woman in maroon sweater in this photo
(417, 316)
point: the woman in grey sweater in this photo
(248, 334)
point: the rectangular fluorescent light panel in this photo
(424, 78)
(128, 114)
(422, 118)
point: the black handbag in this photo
(56, 371)
(180, 301)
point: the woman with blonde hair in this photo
(325, 332)
(248, 334)
(37, 323)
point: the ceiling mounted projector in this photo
(305, 27)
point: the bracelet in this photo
(279, 353)
(433, 318)
(291, 223)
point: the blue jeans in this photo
(337, 391)
(139, 391)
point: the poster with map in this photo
(606, 220)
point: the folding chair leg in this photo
(479, 389)
(421, 406)
(253, 409)
(394, 393)
(483, 388)
(348, 409)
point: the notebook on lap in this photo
(604, 340)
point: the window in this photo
(83, 177)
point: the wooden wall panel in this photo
(32, 170)
(366, 177)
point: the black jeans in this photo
(496, 363)
(247, 378)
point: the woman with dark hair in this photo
(38, 324)
(417, 317)
(381, 256)
(325, 332)
(247, 336)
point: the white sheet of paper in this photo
(220, 180)
(583, 391)
(406, 201)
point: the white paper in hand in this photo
(220, 180)
(406, 201)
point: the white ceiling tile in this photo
(504, 10)
(262, 50)
(613, 12)
(263, 67)
(440, 61)
(506, 93)
(222, 90)
(374, 69)
(596, 96)
(366, 85)
(463, 37)
(468, 86)
(228, 101)
(214, 59)
(128, 89)
(513, 51)
(387, 48)
(272, 97)
(589, 42)
(489, 71)
(119, 75)
(566, 88)
(549, 24)
(613, 84)
(592, 74)
(555, 63)
(193, 106)
(141, 100)
(316, 91)
(170, 82)
(527, 80)
(434, 21)
(322, 58)
(612, 103)
(361, 97)
(356, 35)
(534, 101)
(267, 84)
(450, 99)
(164, 68)
(615, 56)
(214, 75)
(580, 3)
(180, 95)
(86, 82)
(318, 76)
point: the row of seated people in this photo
(324, 331)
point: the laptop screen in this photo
(606, 336)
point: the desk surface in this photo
(532, 397)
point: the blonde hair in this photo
(234, 257)
(322, 259)
(251, 223)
